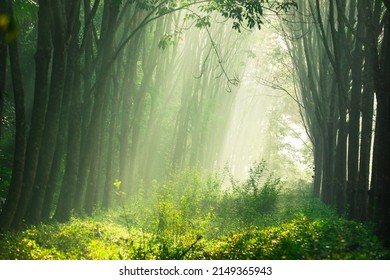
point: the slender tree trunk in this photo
(42, 62)
(318, 154)
(52, 119)
(112, 164)
(94, 129)
(381, 166)
(68, 188)
(71, 72)
(9, 209)
(366, 141)
(340, 164)
(354, 120)
(91, 192)
(371, 16)
(3, 63)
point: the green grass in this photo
(191, 216)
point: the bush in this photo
(250, 200)
(300, 239)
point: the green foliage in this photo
(167, 40)
(184, 203)
(251, 200)
(192, 216)
(6, 146)
(260, 191)
(77, 239)
(247, 13)
(244, 14)
(301, 239)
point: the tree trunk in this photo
(366, 141)
(94, 129)
(3, 63)
(9, 209)
(381, 166)
(52, 119)
(72, 77)
(42, 62)
(354, 119)
(68, 187)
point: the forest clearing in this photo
(201, 221)
(194, 130)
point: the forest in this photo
(194, 129)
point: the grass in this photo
(191, 216)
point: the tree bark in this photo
(381, 166)
(42, 62)
(9, 209)
(354, 120)
(53, 113)
(106, 50)
(3, 64)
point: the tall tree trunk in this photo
(42, 62)
(9, 209)
(340, 164)
(112, 152)
(318, 154)
(72, 70)
(109, 24)
(354, 119)
(52, 119)
(370, 13)
(91, 192)
(3, 63)
(373, 16)
(381, 166)
(68, 187)
(366, 141)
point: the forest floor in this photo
(202, 220)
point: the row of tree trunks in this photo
(43, 58)
(343, 129)
(106, 101)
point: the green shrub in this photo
(300, 239)
(248, 201)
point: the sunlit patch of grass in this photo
(76, 239)
(190, 216)
(300, 238)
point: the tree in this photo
(345, 124)
(80, 110)
(20, 137)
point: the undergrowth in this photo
(196, 215)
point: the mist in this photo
(177, 129)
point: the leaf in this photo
(117, 184)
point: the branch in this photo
(88, 23)
(323, 34)
(232, 81)
(148, 18)
(275, 86)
